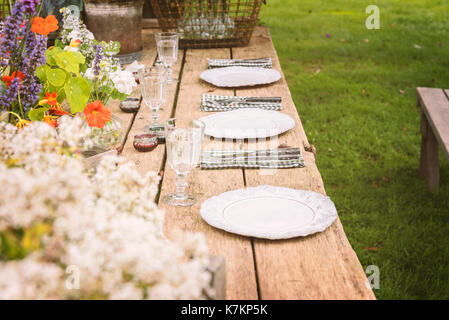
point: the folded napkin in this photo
(221, 63)
(211, 102)
(252, 159)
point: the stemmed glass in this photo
(167, 50)
(183, 140)
(153, 88)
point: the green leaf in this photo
(107, 89)
(59, 44)
(67, 61)
(50, 53)
(56, 77)
(41, 72)
(78, 57)
(116, 95)
(37, 114)
(83, 68)
(61, 96)
(77, 91)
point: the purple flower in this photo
(10, 31)
(23, 51)
(97, 60)
(34, 56)
(10, 94)
(30, 6)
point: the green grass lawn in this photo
(355, 94)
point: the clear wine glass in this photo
(153, 88)
(183, 140)
(167, 50)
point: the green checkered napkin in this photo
(252, 159)
(222, 63)
(214, 103)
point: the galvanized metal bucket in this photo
(117, 21)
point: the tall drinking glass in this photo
(183, 140)
(153, 88)
(167, 50)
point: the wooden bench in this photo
(321, 266)
(434, 106)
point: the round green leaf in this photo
(56, 77)
(50, 53)
(41, 72)
(67, 61)
(37, 114)
(77, 91)
(78, 57)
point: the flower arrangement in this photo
(69, 234)
(103, 68)
(37, 82)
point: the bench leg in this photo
(428, 166)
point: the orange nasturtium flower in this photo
(57, 110)
(75, 43)
(16, 74)
(22, 123)
(97, 114)
(44, 26)
(50, 99)
(51, 120)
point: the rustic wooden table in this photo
(321, 266)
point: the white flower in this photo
(30, 279)
(104, 224)
(89, 74)
(71, 49)
(135, 67)
(77, 35)
(124, 81)
(74, 35)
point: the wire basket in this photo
(209, 23)
(5, 9)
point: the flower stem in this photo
(20, 103)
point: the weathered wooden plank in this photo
(150, 23)
(321, 266)
(435, 106)
(126, 118)
(236, 250)
(94, 161)
(148, 56)
(153, 160)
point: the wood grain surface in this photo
(321, 266)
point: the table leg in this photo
(428, 166)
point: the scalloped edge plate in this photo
(247, 123)
(240, 76)
(286, 213)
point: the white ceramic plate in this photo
(247, 123)
(240, 76)
(270, 212)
